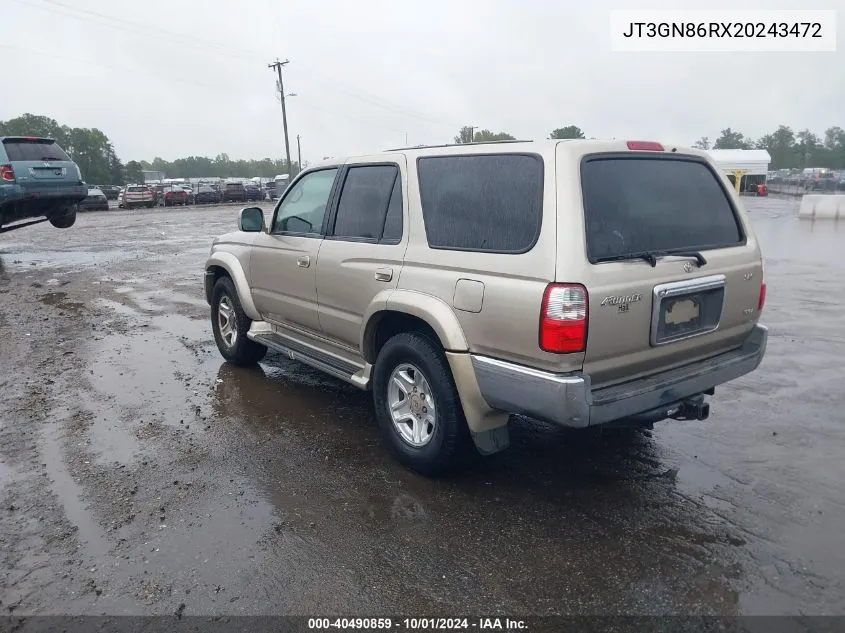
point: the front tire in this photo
(417, 406)
(230, 325)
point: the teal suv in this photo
(38, 182)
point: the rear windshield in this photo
(37, 150)
(637, 204)
(234, 185)
(136, 189)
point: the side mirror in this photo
(251, 220)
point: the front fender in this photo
(233, 268)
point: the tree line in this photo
(91, 149)
(221, 166)
(788, 149)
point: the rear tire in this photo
(412, 369)
(64, 221)
(230, 325)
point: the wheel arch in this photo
(226, 264)
(398, 311)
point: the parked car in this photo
(96, 200)
(207, 195)
(190, 191)
(270, 190)
(173, 195)
(253, 192)
(280, 183)
(824, 181)
(234, 192)
(110, 191)
(627, 302)
(38, 180)
(135, 196)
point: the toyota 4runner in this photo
(577, 282)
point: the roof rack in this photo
(397, 149)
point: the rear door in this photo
(364, 248)
(40, 164)
(653, 304)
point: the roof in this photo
(740, 155)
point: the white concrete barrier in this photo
(827, 207)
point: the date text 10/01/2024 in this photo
(483, 624)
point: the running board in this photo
(356, 375)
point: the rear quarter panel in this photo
(496, 297)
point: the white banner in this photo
(723, 30)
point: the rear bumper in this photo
(568, 400)
(16, 193)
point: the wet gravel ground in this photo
(140, 474)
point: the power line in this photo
(146, 30)
(132, 27)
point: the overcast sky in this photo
(174, 78)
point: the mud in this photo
(139, 472)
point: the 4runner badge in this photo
(620, 300)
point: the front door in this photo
(283, 264)
(364, 247)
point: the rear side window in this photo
(365, 201)
(482, 202)
(35, 150)
(633, 205)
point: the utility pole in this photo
(471, 133)
(277, 66)
(298, 154)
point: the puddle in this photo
(118, 308)
(73, 259)
(70, 495)
(6, 475)
(155, 371)
(111, 436)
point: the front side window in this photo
(364, 202)
(303, 209)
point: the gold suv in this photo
(578, 282)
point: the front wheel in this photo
(230, 325)
(417, 406)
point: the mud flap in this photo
(492, 441)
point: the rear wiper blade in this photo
(649, 256)
(699, 258)
(652, 256)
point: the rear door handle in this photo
(303, 262)
(384, 274)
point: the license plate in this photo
(682, 310)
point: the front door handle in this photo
(303, 262)
(384, 274)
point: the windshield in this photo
(634, 204)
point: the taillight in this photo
(761, 301)
(648, 146)
(7, 172)
(563, 318)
